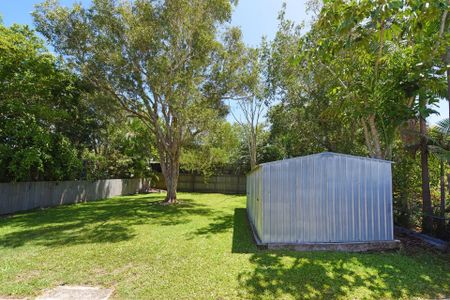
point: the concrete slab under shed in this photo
(347, 247)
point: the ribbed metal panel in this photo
(325, 197)
(254, 199)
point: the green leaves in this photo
(35, 98)
(212, 150)
(48, 115)
(380, 55)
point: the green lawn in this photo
(201, 249)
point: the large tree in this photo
(162, 61)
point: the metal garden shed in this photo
(322, 201)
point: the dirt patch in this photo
(27, 276)
(413, 246)
(76, 292)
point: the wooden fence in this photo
(21, 196)
(225, 184)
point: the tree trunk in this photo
(427, 221)
(442, 187)
(368, 139)
(448, 80)
(253, 160)
(372, 137)
(447, 63)
(171, 178)
(375, 137)
(170, 167)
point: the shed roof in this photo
(325, 154)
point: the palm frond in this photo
(443, 126)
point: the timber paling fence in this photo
(21, 196)
(225, 184)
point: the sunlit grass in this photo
(200, 249)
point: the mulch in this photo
(413, 245)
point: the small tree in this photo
(161, 61)
(250, 103)
(251, 110)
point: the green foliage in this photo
(306, 117)
(379, 58)
(266, 151)
(439, 137)
(36, 95)
(407, 192)
(54, 125)
(123, 150)
(211, 151)
(406, 188)
(306, 129)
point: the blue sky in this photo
(256, 18)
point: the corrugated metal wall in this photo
(326, 198)
(21, 196)
(226, 184)
(254, 199)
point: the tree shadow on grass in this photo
(329, 275)
(105, 221)
(220, 224)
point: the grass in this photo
(201, 249)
